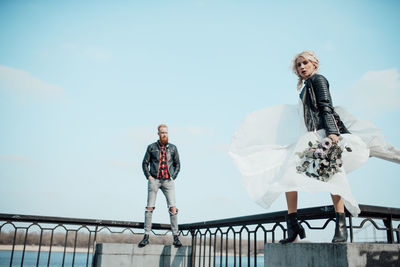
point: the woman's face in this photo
(305, 68)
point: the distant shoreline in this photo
(43, 248)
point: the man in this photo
(163, 159)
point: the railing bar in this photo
(88, 253)
(23, 251)
(51, 244)
(94, 244)
(265, 237)
(226, 249)
(204, 254)
(13, 247)
(215, 248)
(248, 248)
(273, 236)
(200, 250)
(351, 229)
(65, 247)
(73, 255)
(193, 252)
(255, 248)
(240, 247)
(209, 250)
(234, 248)
(221, 249)
(40, 246)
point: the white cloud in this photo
(19, 159)
(377, 91)
(23, 83)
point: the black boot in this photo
(177, 243)
(144, 241)
(293, 229)
(340, 229)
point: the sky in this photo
(84, 84)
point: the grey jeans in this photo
(167, 186)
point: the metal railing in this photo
(234, 241)
(64, 237)
(228, 242)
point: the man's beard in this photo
(164, 140)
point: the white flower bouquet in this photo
(321, 160)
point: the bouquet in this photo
(321, 160)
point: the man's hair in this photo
(161, 125)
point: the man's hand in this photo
(334, 138)
(150, 178)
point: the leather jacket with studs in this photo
(318, 107)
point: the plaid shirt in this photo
(163, 168)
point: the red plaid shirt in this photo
(163, 167)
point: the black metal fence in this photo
(229, 242)
(240, 241)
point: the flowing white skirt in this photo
(264, 146)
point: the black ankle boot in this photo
(144, 241)
(340, 229)
(177, 243)
(293, 229)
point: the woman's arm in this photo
(323, 98)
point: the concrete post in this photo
(127, 255)
(335, 255)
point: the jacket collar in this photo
(160, 145)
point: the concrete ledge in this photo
(328, 254)
(113, 254)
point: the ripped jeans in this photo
(167, 186)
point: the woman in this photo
(266, 145)
(318, 114)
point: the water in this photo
(56, 259)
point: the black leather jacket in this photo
(152, 158)
(318, 107)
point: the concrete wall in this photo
(126, 255)
(327, 254)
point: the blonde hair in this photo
(161, 126)
(309, 55)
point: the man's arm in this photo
(177, 164)
(145, 163)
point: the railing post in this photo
(192, 252)
(351, 229)
(389, 232)
(94, 246)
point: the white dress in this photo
(264, 146)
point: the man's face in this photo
(163, 134)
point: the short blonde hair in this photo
(161, 126)
(309, 55)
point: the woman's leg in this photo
(291, 199)
(338, 203)
(340, 227)
(293, 226)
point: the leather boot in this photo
(293, 229)
(144, 241)
(340, 229)
(177, 243)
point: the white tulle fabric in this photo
(264, 147)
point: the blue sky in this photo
(83, 85)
